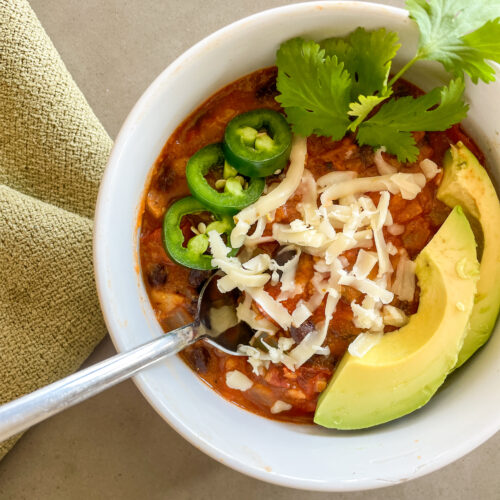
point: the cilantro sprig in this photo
(367, 56)
(460, 34)
(342, 84)
(315, 90)
(392, 125)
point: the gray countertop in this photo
(115, 445)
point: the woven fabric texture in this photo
(52, 154)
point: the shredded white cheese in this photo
(288, 271)
(272, 307)
(394, 316)
(248, 274)
(383, 167)
(258, 264)
(336, 177)
(257, 358)
(367, 318)
(256, 236)
(300, 314)
(259, 324)
(409, 185)
(365, 262)
(334, 217)
(308, 193)
(368, 287)
(298, 233)
(274, 199)
(363, 343)
(404, 283)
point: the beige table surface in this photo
(115, 445)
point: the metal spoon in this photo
(20, 414)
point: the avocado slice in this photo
(403, 371)
(466, 183)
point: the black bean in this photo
(268, 89)
(200, 358)
(198, 277)
(157, 276)
(284, 256)
(166, 178)
(298, 334)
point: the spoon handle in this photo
(20, 414)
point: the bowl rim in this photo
(141, 380)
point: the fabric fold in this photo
(52, 154)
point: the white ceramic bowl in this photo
(463, 414)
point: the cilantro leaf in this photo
(391, 126)
(484, 43)
(314, 90)
(460, 34)
(367, 56)
(396, 142)
(339, 47)
(410, 114)
(364, 106)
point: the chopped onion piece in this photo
(429, 168)
(237, 380)
(396, 229)
(280, 406)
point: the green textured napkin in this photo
(52, 154)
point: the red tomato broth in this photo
(173, 289)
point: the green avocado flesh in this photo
(404, 370)
(466, 183)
